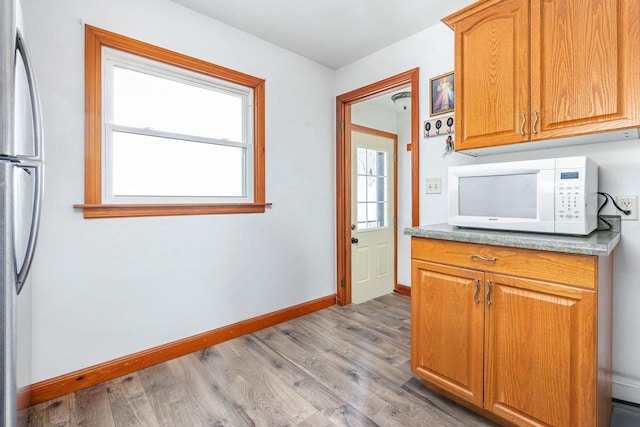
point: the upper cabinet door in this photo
(492, 58)
(584, 55)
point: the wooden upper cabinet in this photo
(584, 56)
(492, 75)
(531, 70)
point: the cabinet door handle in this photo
(475, 292)
(535, 122)
(524, 120)
(487, 296)
(472, 256)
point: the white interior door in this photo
(372, 215)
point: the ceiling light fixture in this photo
(402, 99)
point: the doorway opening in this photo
(344, 129)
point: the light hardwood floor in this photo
(342, 366)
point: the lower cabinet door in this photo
(540, 352)
(447, 328)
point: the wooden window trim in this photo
(95, 39)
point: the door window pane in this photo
(372, 183)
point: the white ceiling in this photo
(331, 32)
(384, 102)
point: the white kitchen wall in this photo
(619, 174)
(105, 288)
(364, 114)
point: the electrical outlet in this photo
(629, 203)
(433, 185)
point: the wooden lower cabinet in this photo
(540, 352)
(447, 334)
(523, 351)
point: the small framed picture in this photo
(441, 89)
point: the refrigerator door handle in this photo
(38, 168)
(35, 97)
(28, 162)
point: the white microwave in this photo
(546, 196)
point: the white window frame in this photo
(112, 58)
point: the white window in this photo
(171, 135)
(168, 134)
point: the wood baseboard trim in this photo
(87, 377)
(24, 397)
(403, 289)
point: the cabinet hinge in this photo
(343, 282)
(341, 125)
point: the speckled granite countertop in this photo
(600, 243)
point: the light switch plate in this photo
(433, 185)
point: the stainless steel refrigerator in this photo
(21, 184)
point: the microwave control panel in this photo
(570, 195)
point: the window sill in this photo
(123, 211)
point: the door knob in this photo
(354, 240)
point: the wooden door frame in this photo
(343, 167)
